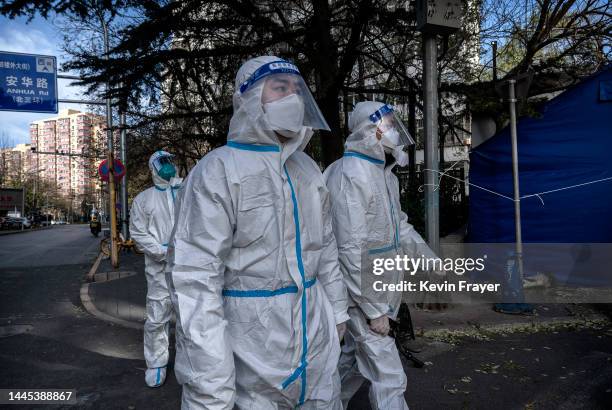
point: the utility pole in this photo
(512, 90)
(124, 196)
(111, 161)
(35, 186)
(515, 178)
(433, 17)
(430, 108)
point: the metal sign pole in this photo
(433, 17)
(111, 162)
(124, 208)
(515, 178)
(430, 106)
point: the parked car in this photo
(48, 220)
(10, 222)
(27, 224)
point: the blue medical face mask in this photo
(167, 171)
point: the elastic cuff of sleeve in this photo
(373, 311)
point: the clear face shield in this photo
(287, 104)
(390, 128)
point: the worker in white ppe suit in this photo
(151, 222)
(368, 223)
(255, 279)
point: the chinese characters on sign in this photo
(28, 83)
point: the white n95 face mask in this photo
(285, 114)
(390, 138)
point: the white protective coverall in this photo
(255, 278)
(368, 222)
(151, 222)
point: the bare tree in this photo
(6, 143)
(559, 41)
(173, 63)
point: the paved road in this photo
(62, 244)
(47, 340)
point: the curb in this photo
(484, 332)
(110, 276)
(23, 231)
(93, 310)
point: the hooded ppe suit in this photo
(254, 270)
(151, 222)
(368, 223)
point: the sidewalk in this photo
(119, 294)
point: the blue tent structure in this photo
(569, 144)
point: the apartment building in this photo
(15, 163)
(66, 152)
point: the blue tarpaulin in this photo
(570, 143)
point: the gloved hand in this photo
(341, 329)
(401, 157)
(164, 253)
(380, 325)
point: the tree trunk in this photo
(325, 56)
(331, 142)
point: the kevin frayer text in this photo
(427, 286)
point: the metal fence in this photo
(453, 200)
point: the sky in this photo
(37, 37)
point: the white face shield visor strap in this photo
(388, 121)
(282, 88)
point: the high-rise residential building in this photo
(66, 152)
(15, 164)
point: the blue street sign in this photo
(28, 82)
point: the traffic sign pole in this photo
(432, 162)
(111, 171)
(124, 197)
(433, 17)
